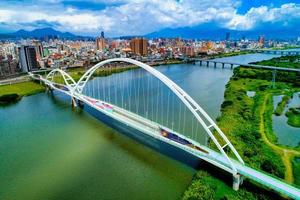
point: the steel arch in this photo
(67, 78)
(196, 110)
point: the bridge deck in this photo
(153, 129)
(251, 65)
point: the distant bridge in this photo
(276, 52)
(214, 63)
(126, 100)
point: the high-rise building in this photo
(100, 43)
(139, 46)
(227, 36)
(38, 49)
(28, 58)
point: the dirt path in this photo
(286, 154)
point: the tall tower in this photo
(100, 42)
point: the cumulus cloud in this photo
(132, 17)
(285, 14)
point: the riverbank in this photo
(285, 48)
(222, 55)
(283, 61)
(20, 89)
(106, 71)
(247, 122)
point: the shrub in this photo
(226, 103)
(9, 98)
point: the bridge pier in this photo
(231, 66)
(215, 64)
(74, 103)
(237, 181)
(48, 89)
(207, 63)
(223, 65)
(200, 62)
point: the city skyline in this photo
(129, 17)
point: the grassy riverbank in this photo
(212, 185)
(286, 47)
(247, 122)
(14, 92)
(283, 61)
(22, 89)
(221, 55)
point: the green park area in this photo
(247, 122)
(14, 92)
(283, 61)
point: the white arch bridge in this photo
(154, 105)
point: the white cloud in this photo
(130, 17)
(256, 16)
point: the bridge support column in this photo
(215, 65)
(48, 89)
(223, 65)
(74, 103)
(200, 62)
(207, 63)
(236, 182)
(231, 66)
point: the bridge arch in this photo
(201, 116)
(68, 80)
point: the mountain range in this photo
(196, 32)
(41, 34)
(215, 33)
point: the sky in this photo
(139, 17)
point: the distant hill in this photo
(214, 33)
(42, 34)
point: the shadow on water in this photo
(113, 134)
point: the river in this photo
(49, 151)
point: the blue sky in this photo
(136, 17)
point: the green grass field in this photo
(283, 61)
(22, 89)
